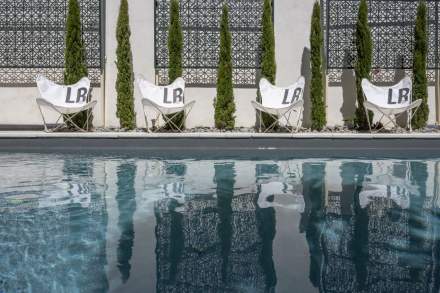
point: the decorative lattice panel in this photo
(200, 24)
(32, 41)
(392, 24)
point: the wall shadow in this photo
(349, 92)
(307, 73)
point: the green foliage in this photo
(225, 106)
(363, 65)
(175, 42)
(75, 66)
(124, 63)
(317, 88)
(420, 86)
(268, 63)
(175, 49)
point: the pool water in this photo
(72, 223)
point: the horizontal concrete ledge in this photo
(252, 146)
(214, 135)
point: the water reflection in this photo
(125, 198)
(52, 227)
(218, 242)
(102, 225)
(381, 244)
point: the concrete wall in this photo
(292, 32)
(292, 27)
(18, 107)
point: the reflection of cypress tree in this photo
(360, 234)
(314, 197)
(224, 178)
(417, 221)
(266, 220)
(127, 207)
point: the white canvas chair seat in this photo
(277, 112)
(165, 111)
(66, 100)
(165, 101)
(281, 103)
(66, 110)
(391, 102)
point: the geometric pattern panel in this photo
(32, 39)
(392, 25)
(335, 77)
(200, 20)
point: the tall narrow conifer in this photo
(420, 84)
(317, 88)
(175, 50)
(363, 63)
(225, 105)
(75, 66)
(124, 82)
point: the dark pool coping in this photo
(237, 147)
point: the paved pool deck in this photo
(214, 135)
(225, 145)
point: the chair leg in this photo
(411, 116)
(69, 118)
(300, 119)
(89, 115)
(260, 120)
(171, 122)
(288, 124)
(368, 119)
(44, 120)
(186, 114)
(277, 120)
(146, 118)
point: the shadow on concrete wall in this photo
(348, 84)
(307, 73)
(399, 74)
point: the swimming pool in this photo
(83, 223)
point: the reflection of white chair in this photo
(165, 100)
(391, 102)
(174, 190)
(280, 103)
(76, 194)
(397, 194)
(68, 101)
(281, 192)
(382, 184)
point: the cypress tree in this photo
(420, 84)
(363, 65)
(225, 106)
(75, 66)
(268, 63)
(124, 64)
(175, 49)
(317, 90)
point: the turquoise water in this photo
(120, 224)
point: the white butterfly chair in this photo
(67, 100)
(391, 102)
(165, 100)
(281, 103)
